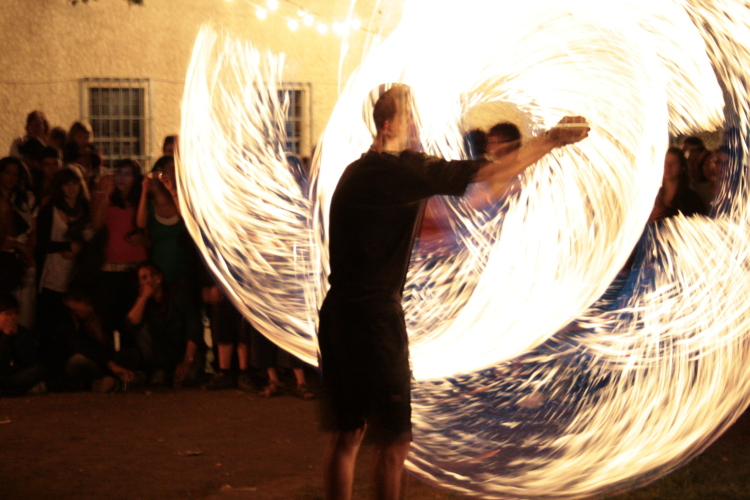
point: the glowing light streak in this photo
(538, 373)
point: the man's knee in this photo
(348, 441)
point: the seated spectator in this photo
(114, 213)
(168, 330)
(675, 196)
(37, 127)
(93, 361)
(20, 370)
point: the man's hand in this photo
(569, 130)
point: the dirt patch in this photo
(227, 445)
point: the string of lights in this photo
(297, 17)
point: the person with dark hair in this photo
(503, 138)
(62, 231)
(169, 148)
(37, 127)
(692, 143)
(476, 143)
(715, 168)
(124, 246)
(31, 156)
(49, 163)
(374, 215)
(168, 330)
(80, 150)
(172, 248)
(57, 138)
(696, 155)
(16, 223)
(93, 361)
(20, 370)
(675, 196)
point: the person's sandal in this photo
(303, 391)
(272, 389)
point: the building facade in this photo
(122, 67)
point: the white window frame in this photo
(115, 145)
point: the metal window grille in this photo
(299, 117)
(119, 111)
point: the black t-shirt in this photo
(375, 211)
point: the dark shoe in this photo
(272, 389)
(245, 383)
(303, 391)
(104, 385)
(220, 380)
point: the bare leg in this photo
(241, 356)
(340, 462)
(299, 374)
(389, 466)
(273, 375)
(225, 356)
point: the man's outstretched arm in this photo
(500, 173)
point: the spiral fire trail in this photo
(540, 372)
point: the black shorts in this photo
(365, 365)
(227, 324)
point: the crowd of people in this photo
(98, 281)
(101, 285)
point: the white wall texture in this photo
(46, 46)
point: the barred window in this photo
(299, 117)
(118, 110)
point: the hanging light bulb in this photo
(308, 19)
(355, 23)
(261, 13)
(272, 4)
(293, 24)
(322, 28)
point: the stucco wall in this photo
(48, 45)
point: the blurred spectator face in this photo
(671, 167)
(37, 127)
(49, 166)
(9, 177)
(71, 190)
(124, 179)
(715, 166)
(9, 321)
(81, 138)
(150, 276)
